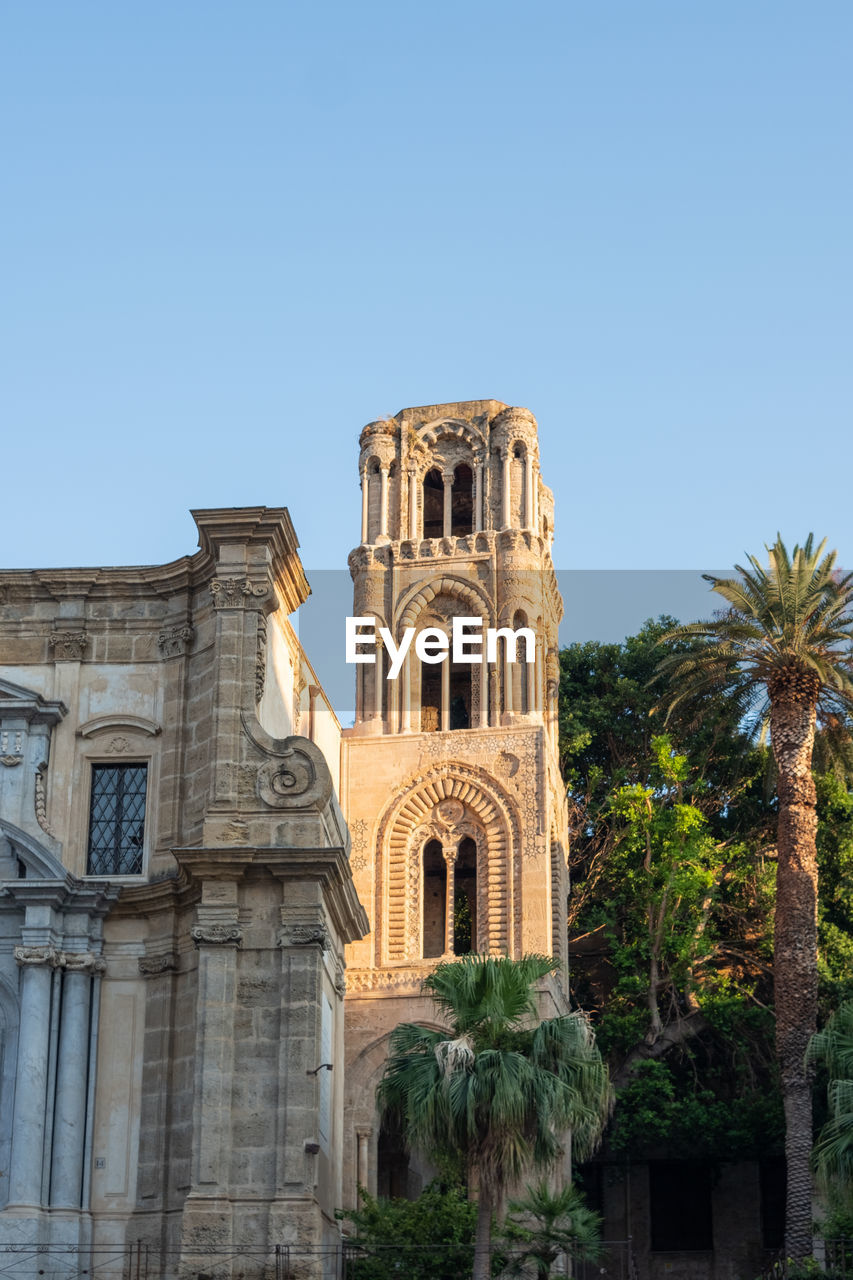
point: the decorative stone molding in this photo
(67, 646)
(382, 979)
(280, 783)
(154, 966)
(119, 721)
(358, 833)
(216, 935)
(26, 956)
(40, 800)
(173, 642)
(236, 593)
(261, 659)
(83, 962)
(304, 935)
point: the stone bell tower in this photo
(450, 777)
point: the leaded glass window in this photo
(117, 819)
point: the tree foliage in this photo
(422, 1239)
(499, 1089)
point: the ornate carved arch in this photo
(489, 810)
(418, 598)
(451, 429)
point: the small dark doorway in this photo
(392, 1161)
(680, 1197)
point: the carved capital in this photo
(174, 641)
(237, 593)
(83, 962)
(26, 956)
(218, 935)
(153, 966)
(67, 646)
(304, 935)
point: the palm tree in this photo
(499, 1089)
(553, 1223)
(783, 651)
(833, 1152)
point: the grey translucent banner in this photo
(605, 605)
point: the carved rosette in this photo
(237, 593)
(67, 646)
(304, 935)
(217, 935)
(154, 966)
(173, 642)
(27, 956)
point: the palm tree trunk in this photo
(792, 727)
(483, 1239)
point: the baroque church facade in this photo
(216, 905)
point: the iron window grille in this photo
(117, 819)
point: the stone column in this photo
(478, 495)
(484, 696)
(445, 695)
(383, 499)
(413, 504)
(362, 1158)
(528, 492)
(214, 1066)
(406, 726)
(377, 684)
(449, 852)
(28, 1125)
(506, 464)
(507, 673)
(448, 502)
(531, 685)
(365, 485)
(71, 1078)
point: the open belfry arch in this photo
(450, 775)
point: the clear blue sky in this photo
(233, 233)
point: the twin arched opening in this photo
(448, 502)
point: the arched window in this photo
(433, 504)
(435, 899)
(465, 899)
(462, 511)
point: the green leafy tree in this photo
(422, 1239)
(498, 1089)
(782, 653)
(833, 1152)
(546, 1225)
